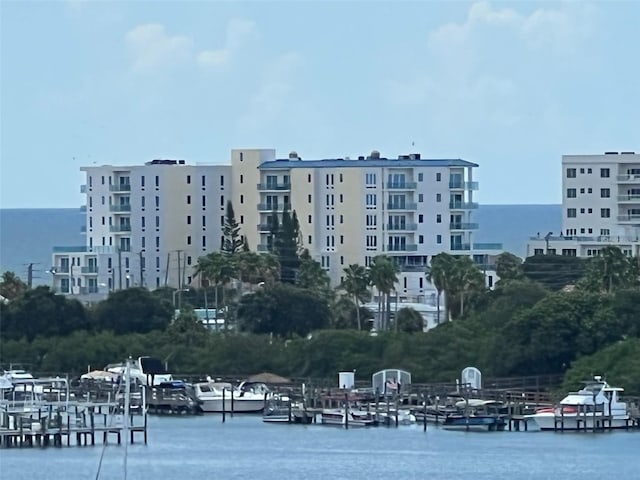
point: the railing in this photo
(628, 178)
(278, 207)
(119, 228)
(89, 269)
(120, 187)
(87, 290)
(463, 205)
(487, 246)
(60, 269)
(401, 185)
(464, 185)
(629, 218)
(119, 208)
(460, 247)
(398, 206)
(629, 198)
(463, 226)
(264, 227)
(402, 248)
(85, 249)
(401, 226)
(274, 186)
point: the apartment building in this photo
(600, 206)
(351, 210)
(146, 225)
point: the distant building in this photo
(600, 206)
(146, 225)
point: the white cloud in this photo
(152, 47)
(238, 32)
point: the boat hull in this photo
(551, 422)
(217, 405)
(474, 424)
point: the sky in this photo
(511, 86)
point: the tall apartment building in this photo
(600, 206)
(351, 210)
(146, 225)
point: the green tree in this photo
(11, 286)
(383, 275)
(508, 267)
(287, 246)
(610, 269)
(409, 320)
(283, 310)
(311, 276)
(439, 274)
(468, 281)
(218, 269)
(188, 329)
(232, 241)
(133, 310)
(355, 284)
(553, 271)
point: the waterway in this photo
(244, 447)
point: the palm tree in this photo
(610, 269)
(355, 284)
(438, 274)
(383, 274)
(468, 279)
(216, 267)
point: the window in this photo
(571, 173)
(204, 241)
(590, 210)
(143, 242)
(188, 219)
(438, 177)
(605, 212)
(420, 218)
(142, 202)
(188, 239)
(309, 240)
(204, 200)
(420, 238)
(589, 171)
(341, 198)
(241, 178)
(420, 197)
(420, 177)
(157, 242)
(157, 202)
(157, 221)
(204, 182)
(309, 219)
(571, 212)
(222, 200)
(438, 218)
(309, 180)
(222, 180)
(438, 197)
(589, 190)
(582, 170)
(605, 193)
(241, 198)
(141, 181)
(341, 260)
(309, 198)
(582, 190)
(604, 172)
(370, 200)
(142, 221)
(188, 179)
(370, 179)
(571, 193)
(341, 218)
(157, 181)
(582, 210)
(241, 219)
(204, 221)
(341, 239)
(438, 239)
(340, 178)
(188, 199)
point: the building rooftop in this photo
(402, 161)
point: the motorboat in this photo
(347, 417)
(282, 409)
(402, 416)
(595, 406)
(145, 371)
(475, 415)
(248, 397)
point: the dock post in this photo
(424, 413)
(231, 394)
(223, 405)
(346, 411)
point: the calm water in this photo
(244, 447)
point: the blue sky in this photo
(509, 85)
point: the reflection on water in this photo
(244, 447)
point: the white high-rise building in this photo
(600, 206)
(146, 225)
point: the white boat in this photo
(340, 417)
(144, 370)
(405, 417)
(217, 397)
(597, 405)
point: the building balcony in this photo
(87, 290)
(120, 208)
(120, 228)
(629, 198)
(106, 249)
(60, 270)
(463, 205)
(274, 187)
(463, 226)
(120, 187)
(487, 246)
(83, 208)
(401, 185)
(461, 247)
(635, 178)
(264, 227)
(463, 185)
(629, 218)
(400, 206)
(410, 247)
(91, 269)
(83, 188)
(400, 227)
(270, 207)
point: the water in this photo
(244, 447)
(29, 235)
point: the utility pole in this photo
(166, 272)
(119, 269)
(141, 262)
(30, 275)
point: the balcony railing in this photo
(270, 207)
(487, 246)
(264, 227)
(274, 186)
(460, 247)
(629, 198)
(629, 218)
(401, 226)
(85, 249)
(401, 185)
(60, 269)
(89, 269)
(463, 226)
(119, 228)
(119, 208)
(88, 290)
(402, 248)
(463, 185)
(629, 178)
(120, 187)
(463, 205)
(401, 206)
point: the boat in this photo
(145, 371)
(216, 397)
(404, 417)
(350, 417)
(595, 406)
(475, 415)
